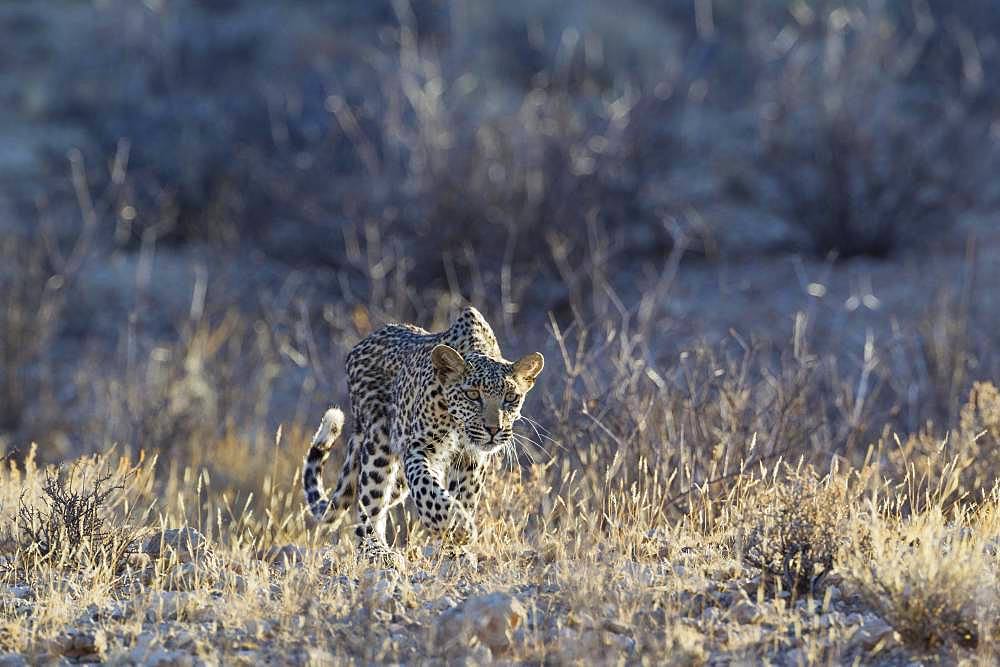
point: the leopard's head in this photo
(484, 396)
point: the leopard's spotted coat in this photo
(428, 411)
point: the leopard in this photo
(430, 411)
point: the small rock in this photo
(177, 606)
(182, 638)
(247, 657)
(185, 544)
(90, 614)
(478, 655)
(442, 603)
(12, 660)
(117, 610)
(378, 583)
(318, 657)
(84, 645)
(384, 590)
(162, 657)
(616, 628)
(621, 643)
(490, 619)
(551, 552)
(259, 629)
(21, 592)
(284, 557)
(16, 607)
(144, 577)
(873, 631)
(166, 604)
(378, 587)
(744, 612)
(239, 584)
(833, 618)
(796, 658)
(642, 574)
(139, 561)
(809, 606)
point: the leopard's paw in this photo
(462, 529)
(383, 557)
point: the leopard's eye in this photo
(510, 397)
(472, 394)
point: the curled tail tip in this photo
(331, 426)
(335, 417)
(333, 421)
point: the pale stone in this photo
(489, 619)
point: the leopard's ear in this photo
(448, 363)
(527, 368)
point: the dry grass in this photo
(932, 579)
(839, 122)
(601, 561)
(650, 514)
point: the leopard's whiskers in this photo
(542, 432)
(524, 440)
(535, 424)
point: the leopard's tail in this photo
(312, 469)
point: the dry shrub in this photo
(555, 163)
(865, 162)
(981, 415)
(959, 468)
(798, 529)
(930, 579)
(76, 522)
(446, 170)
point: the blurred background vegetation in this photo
(737, 229)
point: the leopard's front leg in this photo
(465, 479)
(439, 510)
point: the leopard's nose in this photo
(492, 430)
